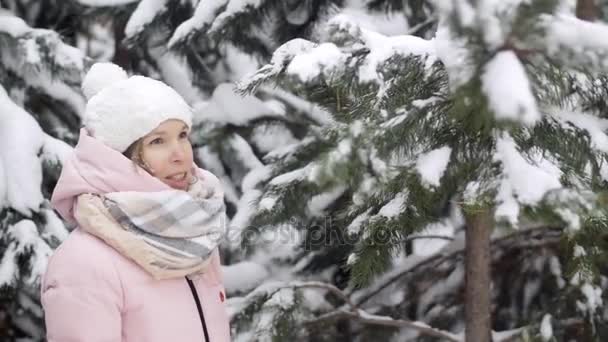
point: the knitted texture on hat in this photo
(122, 109)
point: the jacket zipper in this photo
(199, 307)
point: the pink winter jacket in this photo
(92, 293)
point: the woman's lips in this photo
(179, 181)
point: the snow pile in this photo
(508, 90)
(524, 181)
(325, 59)
(21, 139)
(433, 164)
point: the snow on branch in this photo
(104, 3)
(280, 60)
(43, 61)
(506, 85)
(348, 48)
(235, 11)
(145, 13)
(525, 180)
(200, 22)
(24, 239)
(360, 315)
(526, 238)
(21, 138)
(575, 42)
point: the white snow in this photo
(546, 329)
(243, 152)
(291, 176)
(432, 165)
(324, 59)
(243, 276)
(556, 270)
(55, 150)
(384, 23)
(267, 203)
(584, 38)
(24, 235)
(570, 217)
(495, 19)
(234, 8)
(21, 139)
(430, 246)
(31, 51)
(241, 219)
(352, 258)
(267, 137)
(12, 25)
(228, 107)
(310, 109)
(203, 16)
(453, 53)
(508, 90)
(437, 290)
(211, 161)
(355, 226)
(382, 47)
(529, 180)
(579, 251)
(101, 3)
(176, 73)
(318, 203)
(422, 103)
(144, 14)
(595, 126)
(507, 206)
(54, 226)
(395, 206)
(98, 41)
(593, 296)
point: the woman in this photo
(142, 264)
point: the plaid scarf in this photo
(169, 233)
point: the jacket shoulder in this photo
(82, 260)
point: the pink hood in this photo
(98, 169)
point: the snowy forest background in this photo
(374, 153)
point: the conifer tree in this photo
(491, 127)
(41, 104)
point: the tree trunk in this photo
(477, 276)
(587, 10)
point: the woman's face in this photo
(168, 153)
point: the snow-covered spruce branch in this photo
(417, 237)
(516, 334)
(524, 237)
(362, 316)
(417, 27)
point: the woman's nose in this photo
(178, 152)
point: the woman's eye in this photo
(183, 135)
(156, 141)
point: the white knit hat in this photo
(122, 109)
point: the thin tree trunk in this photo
(587, 10)
(477, 276)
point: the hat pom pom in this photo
(100, 76)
